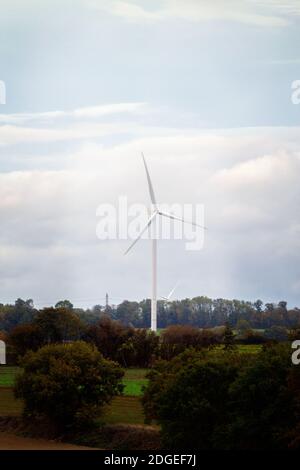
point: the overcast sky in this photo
(203, 88)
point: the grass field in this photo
(133, 380)
(126, 409)
(241, 348)
(122, 410)
(7, 376)
(9, 406)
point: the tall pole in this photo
(154, 286)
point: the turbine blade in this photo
(141, 233)
(171, 216)
(173, 290)
(152, 195)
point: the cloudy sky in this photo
(203, 88)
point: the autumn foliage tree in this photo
(24, 338)
(67, 383)
(175, 339)
(228, 401)
(58, 324)
(127, 345)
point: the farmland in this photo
(121, 423)
(134, 379)
(126, 409)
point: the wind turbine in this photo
(171, 292)
(156, 212)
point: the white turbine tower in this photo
(155, 213)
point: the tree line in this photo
(201, 400)
(125, 344)
(202, 312)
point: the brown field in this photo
(122, 410)
(123, 421)
(9, 406)
(13, 442)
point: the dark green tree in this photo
(229, 343)
(64, 304)
(24, 338)
(188, 397)
(59, 324)
(67, 383)
(263, 408)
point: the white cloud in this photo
(291, 7)
(261, 171)
(10, 135)
(247, 179)
(82, 113)
(259, 13)
(78, 124)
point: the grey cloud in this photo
(48, 219)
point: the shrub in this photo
(129, 346)
(252, 337)
(26, 337)
(176, 338)
(232, 401)
(58, 325)
(67, 383)
(188, 397)
(263, 411)
(276, 333)
(108, 336)
(140, 349)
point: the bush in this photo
(175, 339)
(233, 401)
(130, 347)
(252, 337)
(108, 336)
(263, 410)
(188, 397)
(276, 333)
(67, 383)
(58, 325)
(24, 338)
(140, 349)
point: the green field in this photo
(240, 348)
(7, 376)
(125, 410)
(134, 379)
